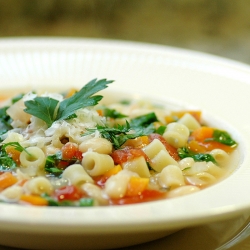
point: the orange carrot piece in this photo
(176, 115)
(34, 200)
(7, 180)
(202, 133)
(214, 144)
(100, 112)
(136, 186)
(13, 153)
(196, 147)
(3, 97)
(199, 144)
(113, 171)
(138, 142)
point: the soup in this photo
(70, 150)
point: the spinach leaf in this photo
(222, 137)
(185, 152)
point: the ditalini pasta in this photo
(69, 149)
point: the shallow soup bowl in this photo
(168, 76)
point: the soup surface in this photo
(68, 149)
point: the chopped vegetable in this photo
(33, 200)
(136, 186)
(145, 196)
(69, 193)
(185, 152)
(222, 137)
(209, 138)
(6, 180)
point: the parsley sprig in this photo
(50, 110)
(6, 162)
(119, 134)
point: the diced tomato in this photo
(145, 196)
(171, 150)
(101, 180)
(71, 151)
(63, 164)
(71, 193)
(126, 154)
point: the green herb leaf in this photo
(55, 165)
(112, 113)
(222, 137)
(43, 108)
(143, 120)
(119, 134)
(185, 152)
(6, 162)
(17, 146)
(50, 110)
(82, 99)
(17, 98)
(161, 130)
(5, 120)
(51, 163)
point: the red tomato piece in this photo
(171, 150)
(70, 193)
(71, 151)
(123, 155)
(145, 196)
(100, 180)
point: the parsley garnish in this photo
(50, 110)
(6, 162)
(52, 162)
(17, 146)
(143, 120)
(55, 164)
(112, 113)
(119, 134)
(185, 152)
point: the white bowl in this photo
(219, 87)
